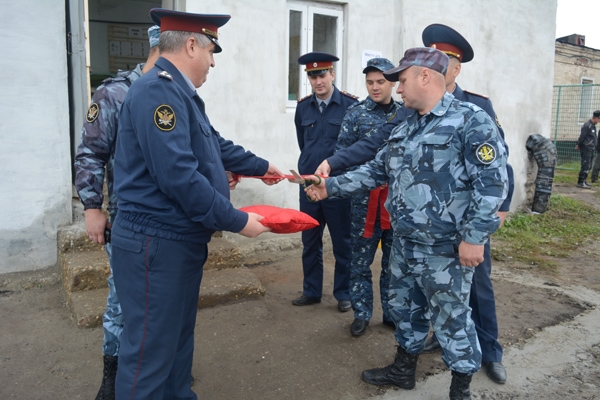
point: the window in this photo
(311, 27)
(585, 101)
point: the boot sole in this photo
(387, 384)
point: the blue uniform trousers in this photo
(483, 307)
(158, 281)
(112, 319)
(445, 287)
(363, 253)
(335, 213)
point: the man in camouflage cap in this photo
(95, 153)
(446, 170)
(370, 221)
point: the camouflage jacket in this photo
(362, 119)
(446, 172)
(98, 137)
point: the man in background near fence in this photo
(586, 144)
(596, 167)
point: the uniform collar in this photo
(336, 97)
(165, 65)
(458, 92)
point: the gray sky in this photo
(579, 16)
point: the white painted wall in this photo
(513, 42)
(35, 184)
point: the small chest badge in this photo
(486, 153)
(164, 118)
(92, 113)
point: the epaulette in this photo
(165, 75)
(476, 94)
(304, 98)
(349, 95)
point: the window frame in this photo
(308, 10)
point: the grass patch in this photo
(566, 176)
(538, 238)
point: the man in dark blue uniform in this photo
(173, 195)
(482, 300)
(318, 120)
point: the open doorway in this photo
(105, 36)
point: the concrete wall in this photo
(35, 184)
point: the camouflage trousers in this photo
(363, 253)
(112, 320)
(428, 284)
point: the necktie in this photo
(322, 106)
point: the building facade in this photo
(250, 94)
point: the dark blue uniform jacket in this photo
(317, 134)
(171, 182)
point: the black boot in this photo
(401, 373)
(107, 389)
(459, 388)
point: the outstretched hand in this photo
(276, 173)
(316, 191)
(253, 227)
(324, 169)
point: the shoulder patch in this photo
(304, 98)
(92, 113)
(475, 94)
(486, 153)
(164, 118)
(165, 75)
(349, 95)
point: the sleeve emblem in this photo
(92, 113)
(486, 153)
(164, 118)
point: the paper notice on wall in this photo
(126, 49)
(115, 48)
(368, 54)
(137, 49)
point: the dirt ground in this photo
(269, 349)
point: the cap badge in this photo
(164, 118)
(315, 64)
(486, 153)
(92, 113)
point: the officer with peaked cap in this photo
(482, 300)
(93, 163)
(318, 119)
(173, 195)
(370, 221)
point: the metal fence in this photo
(572, 105)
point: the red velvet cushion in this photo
(282, 220)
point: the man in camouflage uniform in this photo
(95, 153)
(482, 300)
(446, 171)
(586, 144)
(369, 219)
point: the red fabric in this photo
(377, 198)
(282, 220)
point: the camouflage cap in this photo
(153, 35)
(427, 57)
(378, 64)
